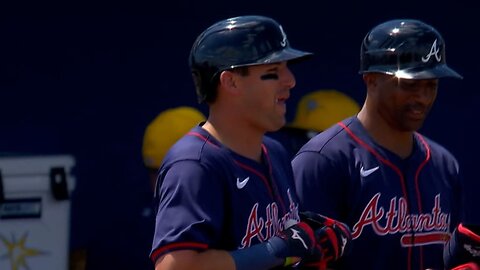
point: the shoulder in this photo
(437, 151)
(197, 147)
(330, 151)
(332, 141)
(439, 155)
(273, 146)
(195, 161)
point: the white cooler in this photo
(35, 212)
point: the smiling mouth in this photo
(416, 114)
(417, 111)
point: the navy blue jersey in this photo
(401, 211)
(213, 198)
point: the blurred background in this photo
(86, 81)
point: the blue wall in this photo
(88, 85)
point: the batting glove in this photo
(293, 243)
(462, 248)
(467, 266)
(333, 240)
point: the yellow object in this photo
(167, 128)
(320, 109)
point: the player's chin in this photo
(414, 121)
(276, 124)
(412, 124)
(281, 107)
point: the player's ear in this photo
(228, 80)
(369, 78)
(373, 81)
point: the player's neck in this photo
(236, 138)
(398, 142)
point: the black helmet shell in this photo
(237, 42)
(408, 49)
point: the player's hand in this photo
(293, 243)
(333, 240)
(463, 249)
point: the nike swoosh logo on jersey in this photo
(241, 184)
(366, 173)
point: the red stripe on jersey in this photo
(420, 239)
(177, 246)
(203, 138)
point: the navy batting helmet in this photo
(408, 49)
(237, 42)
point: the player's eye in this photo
(269, 76)
(417, 85)
(408, 85)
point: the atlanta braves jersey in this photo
(401, 211)
(213, 198)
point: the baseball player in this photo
(398, 190)
(227, 198)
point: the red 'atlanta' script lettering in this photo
(396, 220)
(263, 228)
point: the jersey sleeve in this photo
(190, 209)
(320, 184)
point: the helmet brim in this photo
(439, 71)
(287, 54)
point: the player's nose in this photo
(289, 78)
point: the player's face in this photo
(266, 89)
(405, 103)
